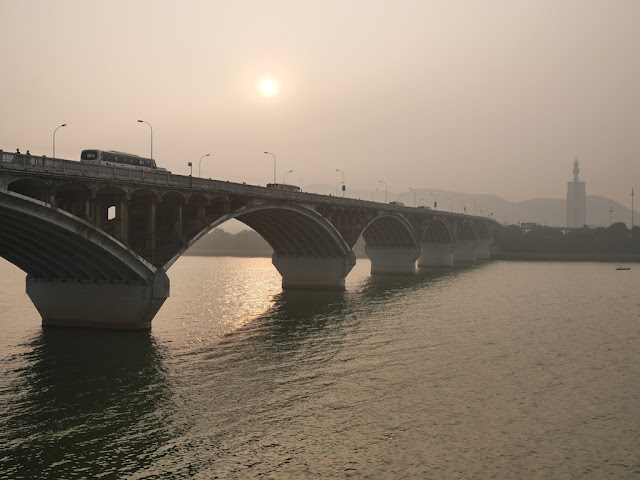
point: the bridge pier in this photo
(482, 249)
(393, 260)
(434, 254)
(314, 272)
(465, 252)
(69, 303)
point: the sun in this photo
(268, 87)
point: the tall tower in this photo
(576, 200)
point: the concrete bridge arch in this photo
(309, 252)
(438, 240)
(391, 244)
(76, 273)
(466, 242)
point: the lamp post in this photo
(54, 139)
(142, 121)
(414, 196)
(451, 203)
(274, 166)
(386, 191)
(343, 188)
(284, 179)
(191, 167)
(200, 164)
(435, 200)
(373, 193)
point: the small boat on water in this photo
(623, 268)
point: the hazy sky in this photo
(473, 96)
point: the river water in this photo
(501, 370)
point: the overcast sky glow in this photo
(472, 96)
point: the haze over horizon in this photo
(478, 97)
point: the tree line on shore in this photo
(616, 238)
(221, 243)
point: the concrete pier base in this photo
(434, 255)
(465, 252)
(69, 303)
(482, 249)
(392, 260)
(314, 272)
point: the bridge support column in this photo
(393, 260)
(482, 249)
(123, 216)
(314, 272)
(465, 252)
(435, 254)
(126, 306)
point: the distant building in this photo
(576, 200)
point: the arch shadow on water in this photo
(379, 288)
(296, 314)
(80, 396)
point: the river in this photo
(501, 370)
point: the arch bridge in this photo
(96, 242)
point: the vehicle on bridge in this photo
(119, 159)
(398, 204)
(284, 186)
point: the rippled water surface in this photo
(502, 370)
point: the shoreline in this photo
(567, 257)
(506, 256)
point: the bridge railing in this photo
(45, 164)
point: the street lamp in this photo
(274, 166)
(142, 121)
(435, 200)
(451, 200)
(200, 163)
(54, 139)
(190, 166)
(373, 193)
(284, 179)
(386, 191)
(343, 188)
(414, 196)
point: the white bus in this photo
(119, 159)
(284, 186)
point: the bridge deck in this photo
(69, 168)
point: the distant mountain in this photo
(549, 211)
